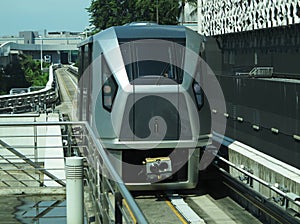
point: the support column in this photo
(74, 175)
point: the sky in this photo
(38, 15)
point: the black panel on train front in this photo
(156, 118)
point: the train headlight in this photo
(198, 94)
(109, 91)
(158, 168)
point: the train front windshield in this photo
(152, 59)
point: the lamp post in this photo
(157, 18)
(183, 7)
(41, 38)
(87, 30)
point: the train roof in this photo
(150, 31)
(145, 30)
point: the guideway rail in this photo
(106, 198)
(286, 197)
(244, 187)
(265, 204)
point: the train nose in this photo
(155, 117)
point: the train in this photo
(147, 111)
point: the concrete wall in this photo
(266, 103)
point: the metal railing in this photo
(261, 72)
(107, 199)
(107, 190)
(258, 72)
(73, 69)
(25, 154)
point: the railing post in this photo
(74, 175)
(35, 142)
(69, 152)
(118, 206)
(104, 202)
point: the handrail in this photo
(30, 162)
(139, 216)
(73, 69)
(261, 71)
(28, 156)
(103, 181)
(258, 72)
(18, 115)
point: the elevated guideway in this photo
(67, 82)
(38, 100)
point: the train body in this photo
(145, 109)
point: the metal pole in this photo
(74, 175)
(35, 142)
(157, 18)
(42, 54)
(118, 205)
(31, 163)
(183, 7)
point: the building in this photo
(55, 47)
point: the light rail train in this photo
(147, 111)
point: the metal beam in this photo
(31, 163)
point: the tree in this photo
(31, 69)
(107, 13)
(12, 77)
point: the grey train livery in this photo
(145, 108)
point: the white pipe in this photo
(74, 187)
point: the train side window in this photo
(79, 63)
(128, 57)
(84, 57)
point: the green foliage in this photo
(12, 76)
(22, 73)
(41, 80)
(107, 13)
(32, 71)
(2, 92)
